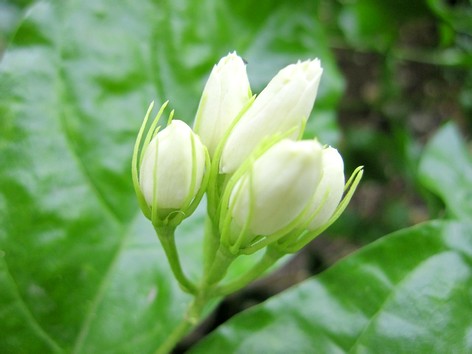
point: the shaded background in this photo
(401, 69)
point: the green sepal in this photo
(203, 102)
(301, 237)
(215, 187)
(139, 150)
(175, 218)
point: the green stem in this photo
(218, 269)
(210, 244)
(213, 273)
(166, 236)
(271, 256)
(191, 319)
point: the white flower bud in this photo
(172, 168)
(226, 93)
(284, 104)
(278, 187)
(330, 189)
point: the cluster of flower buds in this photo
(265, 185)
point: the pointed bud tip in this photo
(231, 58)
(309, 69)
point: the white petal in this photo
(284, 104)
(331, 187)
(167, 167)
(282, 183)
(226, 93)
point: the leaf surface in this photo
(81, 270)
(409, 292)
(446, 169)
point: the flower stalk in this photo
(166, 236)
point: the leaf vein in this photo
(104, 283)
(28, 314)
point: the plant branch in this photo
(191, 319)
(166, 236)
(269, 258)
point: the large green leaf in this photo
(410, 292)
(446, 169)
(80, 269)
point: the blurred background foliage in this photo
(395, 72)
(406, 69)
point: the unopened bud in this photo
(330, 189)
(277, 188)
(285, 104)
(172, 168)
(226, 93)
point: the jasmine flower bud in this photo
(276, 189)
(283, 105)
(172, 169)
(226, 93)
(331, 197)
(330, 189)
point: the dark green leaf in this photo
(446, 169)
(410, 292)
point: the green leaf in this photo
(446, 169)
(406, 293)
(81, 270)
